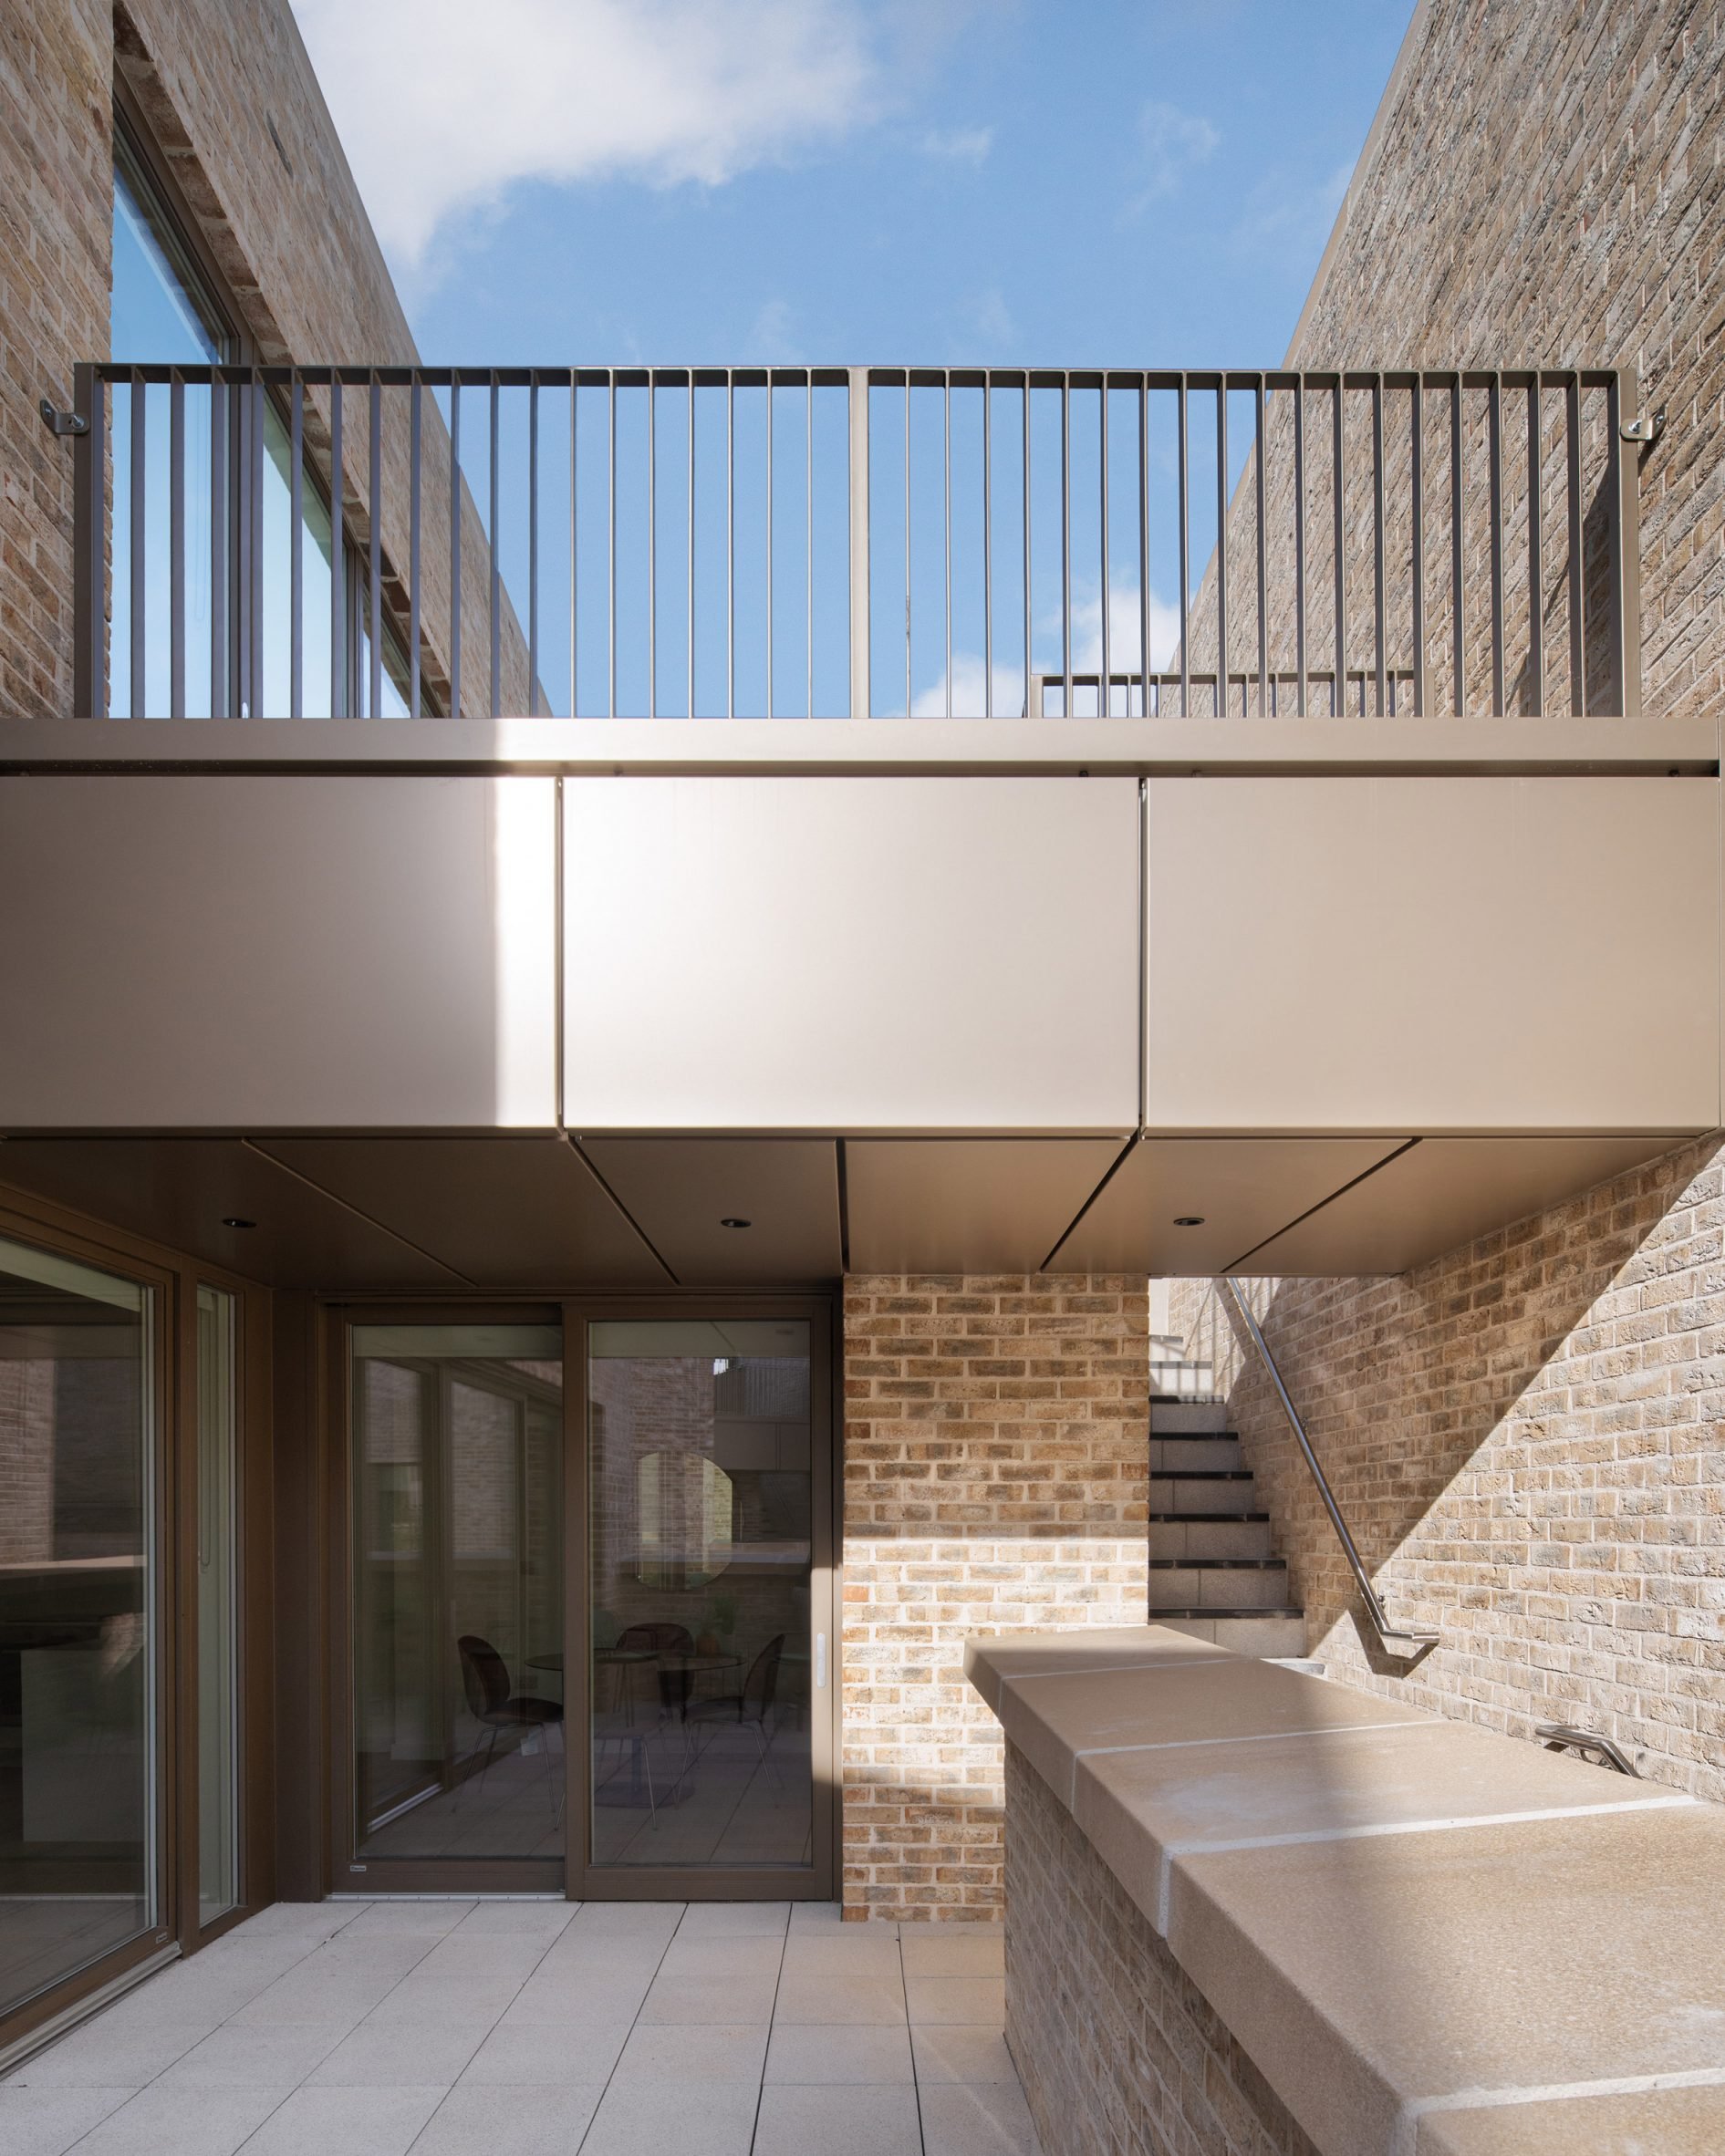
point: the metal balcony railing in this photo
(855, 541)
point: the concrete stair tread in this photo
(1209, 1518)
(1270, 1610)
(1215, 1564)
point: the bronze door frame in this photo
(344, 1871)
(173, 1281)
(591, 1883)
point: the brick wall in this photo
(1524, 1438)
(1120, 2053)
(1543, 186)
(995, 1477)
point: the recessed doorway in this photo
(586, 1639)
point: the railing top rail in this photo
(635, 374)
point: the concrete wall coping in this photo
(1423, 1933)
(1145, 748)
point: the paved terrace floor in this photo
(542, 2028)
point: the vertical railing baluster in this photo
(1377, 540)
(1494, 452)
(988, 547)
(245, 620)
(1299, 543)
(454, 543)
(652, 545)
(297, 549)
(533, 546)
(1030, 712)
(946, 529)
(1622, 481)
(1104, 689)
(338, 675)
(1182, 460)
(138, 685)
(1066, 546)
(907, 542)
(89, 544)
(254, 526)
(176, 544)
(416, 435)
(1458, 559)
(1417, 470)
(497, 572)
(374, 564)
(610, 569)
(1221, 546)
(574, 540)
(769, 543)
(1144, 553)
(1263, 563)
(731, 546)
(692, 544)
(1339, 686)
(808, 533)
(1577, 637)
(1535, 548)
(221, 537)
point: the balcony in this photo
(856, 543)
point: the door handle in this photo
(820, 1661)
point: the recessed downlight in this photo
(731, 1221)
(1190, 1221)
(234, 1220)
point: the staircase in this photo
(1215, 1571)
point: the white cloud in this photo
(962, 146)
(1174, 143)
(770, 338)
(1125, 633)
(442, 107)
(1289, 224)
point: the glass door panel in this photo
(457, 1592)
(699, 1502)
(77, 1630)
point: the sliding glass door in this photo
(708, 1618)
(586, 1642)
(79, 1855)
(457, 1603)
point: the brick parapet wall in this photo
(1524, 1438)
(995, 1478)
(1120, 2053)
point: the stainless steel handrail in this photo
(1397, 1638)
(1587, 1744)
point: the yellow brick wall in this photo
(995, 1478)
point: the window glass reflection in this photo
(76, 1633)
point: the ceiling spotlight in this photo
(234, 1220)
(1190, 1221)
(734, 1222)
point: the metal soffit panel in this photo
(502, 1212)
(966, 1205)
(680, 1191)
(180, 1191)
(1238, 1191)
(1442, 1193)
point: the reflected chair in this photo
(663, 1638)
(495, 1707)
(748, 1706)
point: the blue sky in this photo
(1126, 181)
(1120, 183)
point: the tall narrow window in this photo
(218, 1611)
(78, 1872)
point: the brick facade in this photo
(995, 1477)
(1523, 1437)
(1120, 2053)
